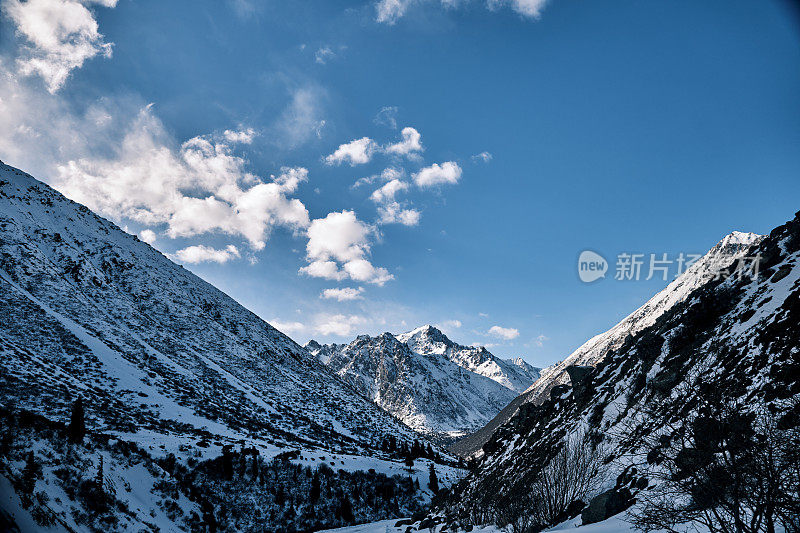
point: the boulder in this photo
(581, 378)
(605, 505)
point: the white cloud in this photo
(356, 152)
(526, 8)
(62, 35)
(451, 324)
(390, 11)
(341, 325)
(540, 340)
(390, 211)
(484, 157)
(340, 238)
(503, 333)
(387, 116)
(244, 136)
(201, 254)
(388, 191)
(409, 145)
(199, 188)
(324, 54)
(323, 269)
(386, 175)
(447, 172)
(344, 294)
(394, 213)
(148, 236)
(287, 327)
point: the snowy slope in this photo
(725, 252)
(427, 391)
(736, 338)
(167, 362)
(90, 310)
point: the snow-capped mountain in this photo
(514, 374)
(435, 386)
(164, 361)
(721, 256)
(725, 345)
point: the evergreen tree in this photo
(433, 481)
(316, 488)
(409, 462)
(346, 510)
(77, 424)
(29, 474)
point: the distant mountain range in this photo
(436, 386)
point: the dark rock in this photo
(665, 382)
(558, 391)
(605, 505)
(405, 522)
(581, 378)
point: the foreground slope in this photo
(729, 249)
(736, 338)
(90, 310)
(437, 387)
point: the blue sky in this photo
(539, 129)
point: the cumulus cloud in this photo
(394, 213)
(356, 152)
(343, 294)
(200, 187)
(451, 324)
(390, 211)
(341, 325)
(338, 246)
(61, 35)
(409, 145)
(447, 173)
(540, 340)
(202, 254)
(388, 191)
(503, 333)
(387, 116)
(148, 236)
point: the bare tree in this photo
(573, 474)
(726, 465)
